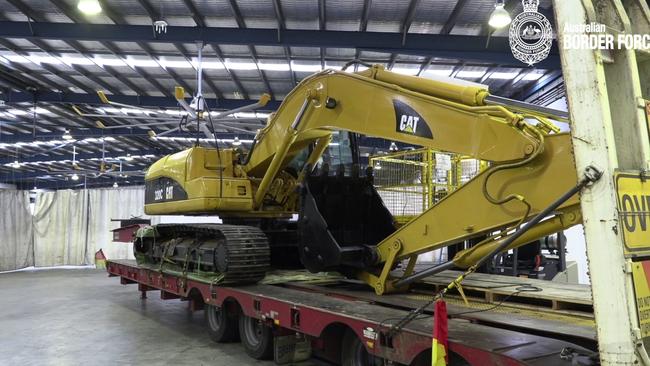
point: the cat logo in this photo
(408, 124)
(409, 121)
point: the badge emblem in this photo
(531, 34)
(409, 121)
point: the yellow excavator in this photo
(529, 191)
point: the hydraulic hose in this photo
(500, 201)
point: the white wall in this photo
(577, 251)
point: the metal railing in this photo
(410, 182)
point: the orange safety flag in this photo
(439, 346)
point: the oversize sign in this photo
(633, 196)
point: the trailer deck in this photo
(499, 331)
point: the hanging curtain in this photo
(107, 204)
(16, 249)
(61, 228)
(70, 226)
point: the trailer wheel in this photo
(355, 354)
(256, 337)
(222, 327)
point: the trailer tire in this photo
(256, 338)
(353, 352)
(222, 326)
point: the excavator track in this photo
(241, 253)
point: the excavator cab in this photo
(342, 217)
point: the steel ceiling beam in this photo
(363, 26)
(322, 25)
(453, 17)
(196, 15)
(365, 14)
(13, 80)
(408, 21)
(538, 85)
(85, 156)
(445, 46)
(200, 22)
(279, 16)
(154, 16)
(233, 77)
(425, 65)
(89, 183)
(100, 182)
(143, 101)
(242, 24)
(14, 177)
(82, 133)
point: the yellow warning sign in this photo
(633, 196)
(640, 273)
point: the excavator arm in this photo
(530, 166)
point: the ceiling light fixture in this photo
(377, 166)
(393, 147)
(89, 7)
(236, 141)
(503, 75)
(15, 164)
(128, 157)
(500, 16)
(274, 66)
(160, 26)
(470, 74)
(74, 177)
(67, 136)
(305, 67)
(115, 185)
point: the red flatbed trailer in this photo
(333, 317)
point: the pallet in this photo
(493, 289)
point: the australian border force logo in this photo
(531, 34)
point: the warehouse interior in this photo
(100, 99)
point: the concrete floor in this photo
(82, 317)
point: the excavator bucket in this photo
(341, 220)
